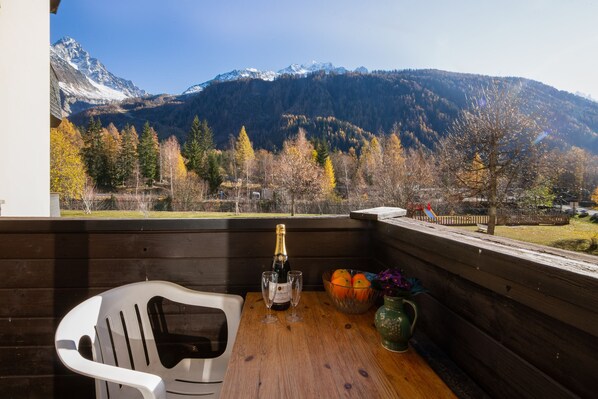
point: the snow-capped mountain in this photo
(247, 73)
(314, 66)
(252, 73)
(84, 80)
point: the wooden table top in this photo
(327, 355)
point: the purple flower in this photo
(392, 282)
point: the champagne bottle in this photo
(281, 265)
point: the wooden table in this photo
(328, 355)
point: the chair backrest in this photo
(119, 328)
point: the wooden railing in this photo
(48, 266)
(502, 220)
(520, 319)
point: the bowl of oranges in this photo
(350, 290)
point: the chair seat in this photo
(190, 389)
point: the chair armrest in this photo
(150, 385)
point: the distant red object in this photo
(427, 210)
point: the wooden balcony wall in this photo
(49, 266)
(519, 326)
(519, 319)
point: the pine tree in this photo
(207, 140)
(149, 153)
(200, 141)
(322, 151)
(94, 152)
(192, 147)
(214, 173)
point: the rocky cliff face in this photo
(84, 81)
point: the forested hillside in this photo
(418, 105)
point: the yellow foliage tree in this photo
(389, 173)
(173, 164)
(67, 171)
(370, 160)
(595, 195)
(475, 176)
(393, 151)
(243, 149)
(329, 179)
(244, 155)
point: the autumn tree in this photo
(190, 190)
(127, 157)
(67, 171)
(265, 165)
(329, 183)
(388, 172)
(370, 160)
(244, 155)
(173, 164)
(345, 165)
(496, 134)
(148, 152)
(572, 167)
(112, 148)
(297, 173)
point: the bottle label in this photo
(282, 293)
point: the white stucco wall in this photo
(24, 108)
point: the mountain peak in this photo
(66, 40)
(253, 73)
(90, 82)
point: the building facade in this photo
(25, 107)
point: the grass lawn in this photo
(576, 236)
(168, 215)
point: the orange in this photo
(361, 287)
(341, 273)
(360, 276)
(340, 287)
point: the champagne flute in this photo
(295, 281)
(269, 286)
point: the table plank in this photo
(329, 354)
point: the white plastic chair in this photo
(125, 362)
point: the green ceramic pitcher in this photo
(393, 324)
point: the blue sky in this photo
(167, 46)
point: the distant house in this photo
(25, 111)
